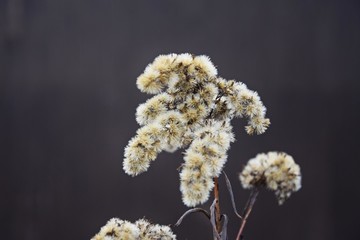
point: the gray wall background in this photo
(68, 97)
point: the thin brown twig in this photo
(217, 205)
(213, 222)
(247, 211)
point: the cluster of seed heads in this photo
(192, 107)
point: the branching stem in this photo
(247, 211)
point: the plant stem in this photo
(247, 211)
(217, 205)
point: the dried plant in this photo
(193, 108)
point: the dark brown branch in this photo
(217, 205)
(247, 211)
(212, 221)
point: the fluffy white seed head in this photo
(142, 225)
(164, 63)
(117, 229)
(173, 129)
(158, 232)
(142, 149)
(152, 108)
(275, 171)
(149, 81)
(208, 92)
(214, 155)
(195, 186)
(218, 132)
(203, 63)
(204, 160)
(195, 179)
(184, 59)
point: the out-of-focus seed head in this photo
(275, 171)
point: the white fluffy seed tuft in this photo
(275, 171)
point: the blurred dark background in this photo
(68, 98)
